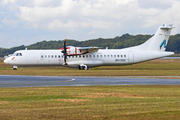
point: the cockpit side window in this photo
(17, 54)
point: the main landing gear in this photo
(83, 67)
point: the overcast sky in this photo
(24, 22)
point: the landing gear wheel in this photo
(79, 67)
(84, 67)
(15, 67)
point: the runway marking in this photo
(67, 80)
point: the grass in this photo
(93, 102)
(150, 68)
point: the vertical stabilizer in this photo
(159, 41)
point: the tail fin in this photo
(159, 41)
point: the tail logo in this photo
(163, 43)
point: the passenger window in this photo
(83, 56)
(101, 56)
(104, 56)
(107, 55)
(20, 54)
(52, 56)
(55, 56)
(124, 55)
(72, 56)
(117, 55)
(48, 56)
(111, 55)
(41, 56)
(45, 56)
(94, 56)
(59, 56)
(114, 56)
(90, 56)
(97, 56)
(86, 56)
(79, 56)
(121, 55)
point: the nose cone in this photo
(6, 61)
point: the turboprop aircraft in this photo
(88, 57)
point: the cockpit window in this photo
(17, 54)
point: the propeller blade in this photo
(65, 52)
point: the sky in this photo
(25, 22)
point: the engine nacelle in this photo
(72, 51)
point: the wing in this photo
(85, 50)
(73, 51)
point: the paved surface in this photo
(37, 81)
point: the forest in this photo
(118, 42)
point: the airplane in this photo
(89, 57)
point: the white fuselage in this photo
(102, 57)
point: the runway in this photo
(39, 81)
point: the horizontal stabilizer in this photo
(167, 26)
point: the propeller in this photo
(65, 52)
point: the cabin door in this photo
(131, 57)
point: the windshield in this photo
(16, 54)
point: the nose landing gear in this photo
(15, 67)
